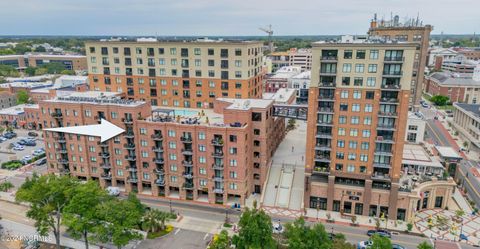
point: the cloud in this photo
(225, 17)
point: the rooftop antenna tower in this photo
(269, 31)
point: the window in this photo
(347, 68)
(196, 51)
(172, 145)
(369, 95)
(353, 132)
(201, 136)
(233, 186)
(373, 54)
(202, 182)
(352, 156)
(202, 148)
(341, 131)
(351, 168)
(343, 107)
(368, 108)
(173, 178)
(360, 54)
(371, 81)
(366, 133)
(372, 68)
(233, 162)
(352, 144)
(173, 167)
(365, 145)
(172, 156)
(355, 107)
(412, 127)
(341, 143)
(359, 68)
(173, 51)
(233, 174)
(348, 54)
(340, 155)
(357, 94)
(143, 131)
(202, 171)
(367, 120)
(345, 81)
(342, 119)
(344, 94)
(354, 120)
(171, 133)
(363, 158)
(358, 81)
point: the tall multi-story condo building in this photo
(218, 155)
(357, 115)
(411, 31)
(177, 73)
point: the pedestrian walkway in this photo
(461, 202)
(197, 224)
(285, 182)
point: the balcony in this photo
(387, 127)
(188, 175)
(132, 169)
(159, 171)
(380, 176)
(327, 110)
(157, 137)
(129, 135)
(132, 179)
(388, 101)
(383, 153)
(188, 185)
(157, 149)
(323, 147)
(327, 84)
(323, 159)
(158, 160)
(103, 145)
(385, 139)
(321, 170)
(63, 161)
(217, 142)
(328, 72)
(217, 166)
(329, 58)
(106, 176)
(187, 151)
(387, 114)
(160, 182)
(324, 123)
(56, 115)
(105, 165)
(186, 139)
(381, 165)
(328, 97)
(131, 158)
(187, 163)
(127, 121)
(395, 87)
(129, 146)
(104, 154)
(62, 151)
(218, 190)
(398, 59)
(392, 73)
(324, 135)
(217, 178)
(217, 154)
(61, 140)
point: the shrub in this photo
(227, 225)
(12, 165)
(5, 186)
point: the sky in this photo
(227, 17)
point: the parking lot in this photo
(7, 154)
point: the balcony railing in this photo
(157, 149)
(106, 165)
(129, 135)
(158, 160)
(328, 72)
(187, 151)
(160, 182)
(56, 115)
(389, 100)
(381, 165)
(327, 84)
(394, 58)
(391, 86)
(217, 154)
(329, 58)
(392, 73)
(104, 154)
(380, 176)
(132, 169)
(132, 179)
(324, 135)
(127, 121)
(321, 170)
(106, 176)
(186, 139)
(62, 161)
(217, 178)
(188, 185)
(188, 175)
(388, 114)
(323, 147)
(217, 142)
(217, 166)
(325, 123)
(325, 109)
(160, 171)
(324, 159)
(129, 146)
(386, 127)
(326, 97)
(218, 190)
(62, 151)
(383, 153)
(130, 158)
(157, 137)
(385, 139)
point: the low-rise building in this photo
(69, 61)
(466, 120)
(301, 83)
(15, 116)
(415, 131)
(442, 54)
(218, 155)
(462, 67)
(449, 158)
(470, 53)
(280, 78)
(301, 57)
(457, 89)
(7, 99)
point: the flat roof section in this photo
(447, 152)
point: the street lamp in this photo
(170, 205)
(226, 215)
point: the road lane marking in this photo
(436, 135)
(178, 230)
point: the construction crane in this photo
(269, 31)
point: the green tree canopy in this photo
(221, 241)
(340, 242)
(8, 71)
(54, 67)
(255, 230)
(380, 242)
(48, 196)
(301, 236)
(424, 245)
(154, 220)
(81, 217)
(22, 97)
(440, 100)
(30, 71)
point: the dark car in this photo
(32, 134)
(41, 162)
(383, 233)
(22, 142)
(10, 135)
(397, 246)
(30, 143)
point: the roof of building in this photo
(246, 104)
(16, 110)
(446, 151)
(286, 72)
(474, 109)
(30, 85)
(191, 40)
(449, 79)
(414, 154)
(282, 95)
(303, 75)
(93, 97)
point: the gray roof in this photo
(473, 108)
(447, 79)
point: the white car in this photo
(19, 147)
(277, 228)
(113, 191)
(27, 157)
(364, 244)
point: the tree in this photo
(40, 49)
(30, 71)
(81, 217)
(424, 245)
(22, 97)
(255, 230)
(154, 220)
(22, 49)
(301, 236)
(48, 195)
(67, 72)
(121, 218)
(8, 71)
(54, 67)
(380, 242)
(340, 242)
(2, 129)
(440, 100)
(221, 241)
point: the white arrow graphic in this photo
(105, 130)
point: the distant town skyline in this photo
(227, 18)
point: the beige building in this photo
(177, 73)
(466, 120)
(357, 116)
(413, 31)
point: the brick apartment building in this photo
(415, 32)
(218, 155)
(177, 73)
(7, 99)
(457, 89)
(358, 110)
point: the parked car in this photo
(364, 244)
(38, 152)
(425, 105)
(27, 157)
(41, 161)
(30, 143)
(397, 246)
(19, 147)
(277, 228)
(2, 139)
(10, 135)
(113, 191)
(383, 233)
(22, 142)
(32, 134)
